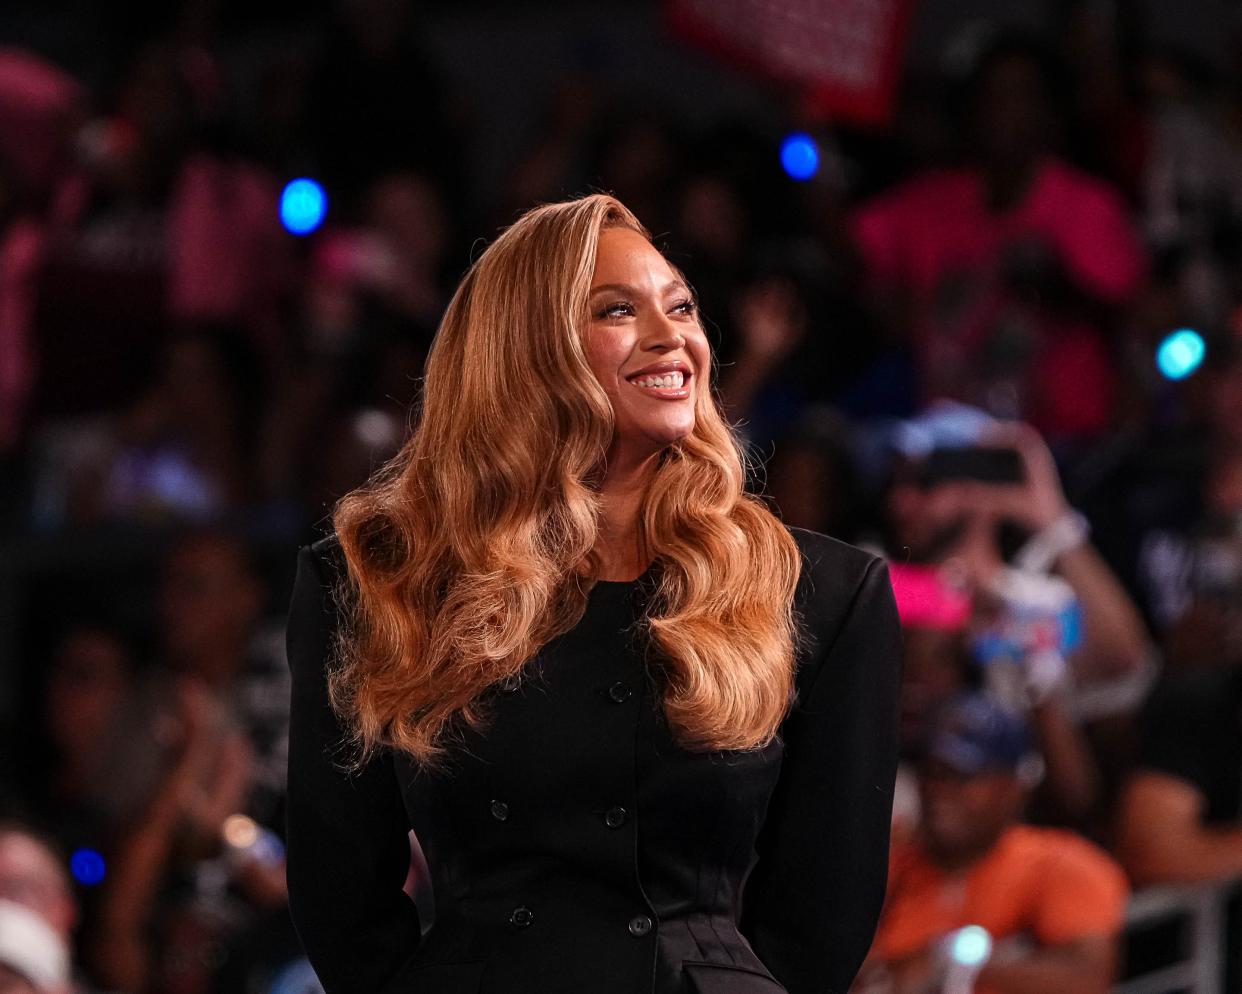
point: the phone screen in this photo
(987, 464)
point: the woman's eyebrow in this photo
(626, 288)
(609, 287)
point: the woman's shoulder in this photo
(832, 562)
(327, 553)
(836, 578)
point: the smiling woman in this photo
(647, 349)
(644, 733)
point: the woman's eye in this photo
(615, 310)
(686, 307)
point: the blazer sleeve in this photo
(348, 848)
(812, 901)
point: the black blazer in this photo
(575, 849)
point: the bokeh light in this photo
(971, 945)
(87, 866)
(1180, 354)
(240, 831)
(303, 205)
(800, 156)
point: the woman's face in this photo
(643, 320)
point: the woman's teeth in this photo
(674, 380)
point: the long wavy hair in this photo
(473, 546)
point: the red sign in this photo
(845, 54)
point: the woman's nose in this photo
(663, 332)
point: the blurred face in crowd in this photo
(712, 216)
(1223, 495)
(208, 602)
(31, 875)
(196, 384)
(89, 681)
(641, 313)
(1013, 112)
(964, 815)
(1224, 402)
(926, 520)
(407, 210)
(932, 671)
(802, 481)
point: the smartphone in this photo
(968, 462)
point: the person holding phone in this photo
(1054, 632)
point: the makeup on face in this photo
(644, 341)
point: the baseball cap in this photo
(973, 734)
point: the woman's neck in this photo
(621, 497)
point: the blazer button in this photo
(500, 810)
(640, 925)
(522, 916)
(615, 817)
(620, 692)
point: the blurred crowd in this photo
(943, 346)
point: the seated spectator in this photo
(1054, 593)
(179, 452)
(1052, 902)
(959, 520)
(1207, 634)
(39, 913)
(1180, 816)
(1165, 486)
(33, 958)
(83, 778)
(936, 665)
(1005, 273)
(201, 867)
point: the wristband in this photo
(1043, 548)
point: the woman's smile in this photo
(663, 380)
(644, 343)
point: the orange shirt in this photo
(1049, 883)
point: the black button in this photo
(522, 916)
(500, 810)
(615, 817)
(640, 925)
(620, 692)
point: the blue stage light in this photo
(800, 156)
(87, 867)
(303, 205)
(1181, 353)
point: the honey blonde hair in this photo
(473, 546)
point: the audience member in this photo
(1010, 264)
(1051, 902)
(40, 917)
(1180, 816)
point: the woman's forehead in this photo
(626, 256)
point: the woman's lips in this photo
(664, 393)
(672, 382)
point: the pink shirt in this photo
(935, 236)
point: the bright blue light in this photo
(971, 945)
(1180, 353)
(303, 205)
(800, 156)
(87, 867)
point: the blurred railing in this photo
(1199, 964)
